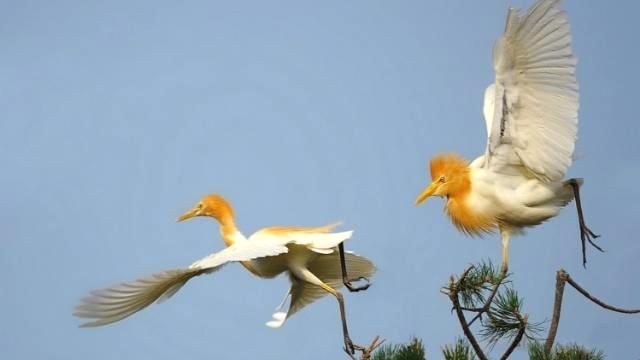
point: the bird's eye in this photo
(199, 206)
(442, 179)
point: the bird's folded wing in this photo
(533, 104)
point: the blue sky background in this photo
(118, 116)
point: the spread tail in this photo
(327, 268)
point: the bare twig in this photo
(597, 301)
(562, 278)
(368, 351)
(557, 307)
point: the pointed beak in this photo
(429, 191)
(189, 214)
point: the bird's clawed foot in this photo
(350, 348)
(366, 352)
(586, 235)
(349, 284)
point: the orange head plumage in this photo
(214, 206)
(449, 175)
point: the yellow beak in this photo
(189, 214)
(429, 191)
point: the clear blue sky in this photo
(117, 116)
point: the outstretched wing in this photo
(118, 302)
(532, 107)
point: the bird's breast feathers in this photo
(468, 219)
(469, 210)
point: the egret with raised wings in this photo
(308, 255)
(531, 113)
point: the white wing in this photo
(273, 241)
(317, 239)
(242, 251)
(533, 105)
(118, 302)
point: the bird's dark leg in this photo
(585, 233)
(349, 347)
(345, 277)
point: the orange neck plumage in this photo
(458, 187)
(230, 233)
(467, 220)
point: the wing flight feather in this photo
(533, 105)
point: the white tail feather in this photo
(327, 268)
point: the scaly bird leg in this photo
(505, 249)
(349, 347)
(504, 267)
(345, 279)
(585, 233)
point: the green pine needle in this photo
(458, 351)
(414, 350)
(504, 318)
(482, 277)
(564, 352)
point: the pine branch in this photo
(478, 279)
(517, 338)
(503, 309)
(483, 279)
(557, 308)
(562, 277)
(452, 292)
(596, 300)
(504, 318)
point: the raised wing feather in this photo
(533, 105)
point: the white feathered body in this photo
(308, 255)
(516, 199)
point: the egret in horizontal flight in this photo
(531, 113)
(308, 255)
